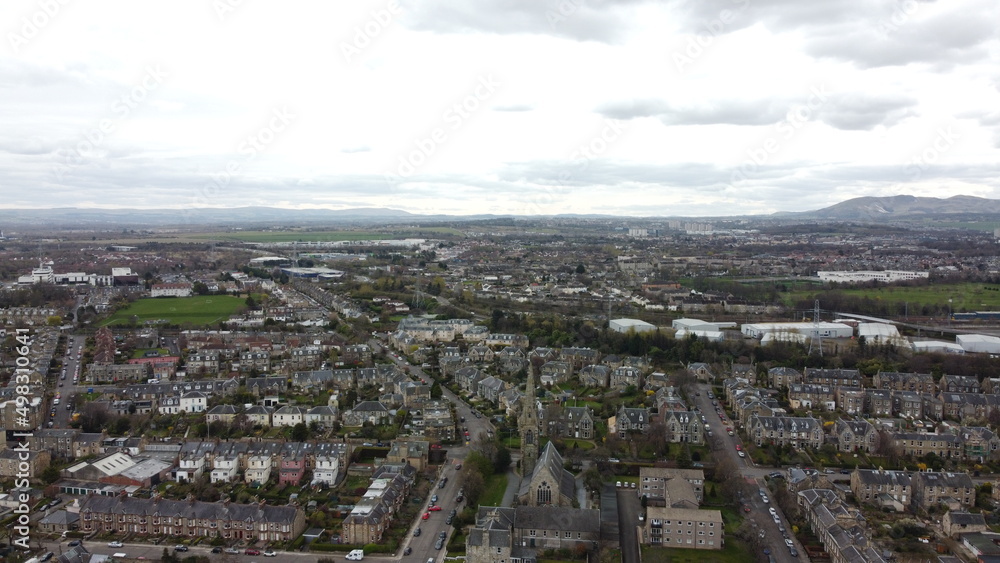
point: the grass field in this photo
(201, 310)
(963, 296)
(495, 487)
(293, 236)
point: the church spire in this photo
(528, 426)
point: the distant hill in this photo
(901, 207)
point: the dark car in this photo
(416, 532)
(439, 544)
(408, 550)
(443, 535)
(180, 548)
(74, 543)
(217, 549)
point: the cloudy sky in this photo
(627, 107)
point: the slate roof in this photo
(189, 509)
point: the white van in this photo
(356, 555)
(119, 555)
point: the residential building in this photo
(893, 489)
(683, 527)
(797, 432)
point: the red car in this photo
(251, 551)
(738, 447)
(435, 446)
(434, 508)
(425, 516)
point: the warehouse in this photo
(628, 325)
(979, 343)
(808, 329)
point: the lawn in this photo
(581, 444)
(963, 296)
(295, 236)
(496, 485)
(200, 310)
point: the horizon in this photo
(723, 108)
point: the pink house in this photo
(292, 469)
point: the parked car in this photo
(115, 544)
(408, 550)
(180, 547)
(434, 508)
(416, 532)
(251, 551)
(232, 550)
(270, 553)
(216, 549)
(425, 516)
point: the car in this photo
(355, 555)
(793, 552)
(408, 550)
(459, 466)
(47, 556)
(772, 511)
(434, 498)
(765, 499)
(459, 498)
(746, 508)
(179, 547)
(739, 447)
(232, 550)
(449, 520)
(416, 532)
(442, 535)
(711, 395)
(742, 454)
(789, 543)
(430, 560)
(453, 513)
(216, 549)
(74, 543)
(270, 553)
(425, 516)
(845, 471)
(435, 446)
(115, 544)
(251, 551)
(439, 544)
(434, 508)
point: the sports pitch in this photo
(200, 310)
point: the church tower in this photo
(528, 426)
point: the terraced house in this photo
(191, 518)
(794, 431)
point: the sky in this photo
(528, 107)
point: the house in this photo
(221, 413)
(292, 466)
(373, 513)
(122, 515)
(682, 527)
(324, 416)
(595, 375)
(893, 489)
(979, 443)
(959, 384)
(954, 490)
(20, 462)
(896, 381)
(665, 486)
(919, 444)
(745, 371)
(574, 422)
(850, 400)
(512, 535)
(409, 452)
(855, 435)
(625, 376)
(258, 469)
(833, 376)
(701, 370)
(629, 420)
(326, 470)
(783, 377)
(259, 415)
(490, 389)
(555, 371)
(682, 427)
(288, 415)
(810, 396)
(797, 432)
(957, 522)
(367, 411)
(878, 403)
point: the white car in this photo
(765, 499)
(788, 542)
(772, 511)
(356, 555)
(270, 553)
(115, 544)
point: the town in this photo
(508, 391)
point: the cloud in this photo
(514, 108)
(863, 112)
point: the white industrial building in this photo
(979, 343)
(712, 335)
(807, 329)
(860, 276)
(782, 337)
(880, 333)
(937, 346)
(698, 324)
(626, 325)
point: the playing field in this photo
(200, 310)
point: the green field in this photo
(963, 296)
(326, 236)
(201, 310)
(496, 485)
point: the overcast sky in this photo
(626, 107)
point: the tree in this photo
(200, 288)
(300, 432)
(580, 269)
(473, 484)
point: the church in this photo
(544, 481)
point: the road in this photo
(775, 531)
